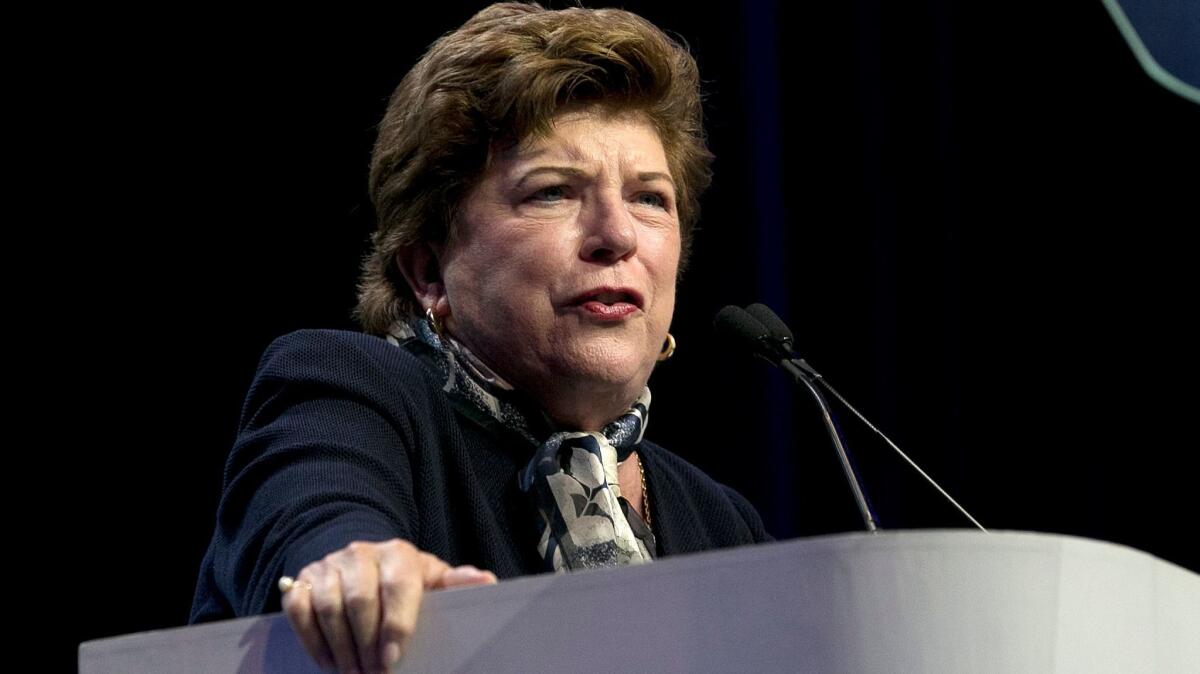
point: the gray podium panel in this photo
(929, 601)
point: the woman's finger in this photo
(462, 576)
(331, 616)
(297, 606)
(359, 568)
(401, 585)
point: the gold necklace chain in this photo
(645, 494)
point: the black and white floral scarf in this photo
(583, 521)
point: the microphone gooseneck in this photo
(767, 339)
(780, 333)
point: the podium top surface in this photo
(942, 600)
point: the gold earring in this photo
(433, 322)
(668, 349)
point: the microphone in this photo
(743, 329)
(778, 329)
(782, 335)
(772, 341)
(779, 332)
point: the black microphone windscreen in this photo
(734, 323)
(771, 321)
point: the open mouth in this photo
(610, 297)
(609, 303)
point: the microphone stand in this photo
(800, 368)
(835, 434)
(758, 328)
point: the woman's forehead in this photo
(584, 137)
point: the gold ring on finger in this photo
(286, 583)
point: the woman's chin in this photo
(608, 364)
(589, 394)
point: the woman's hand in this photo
(355, 609)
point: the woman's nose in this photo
(610, 231)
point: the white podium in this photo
(927, 601)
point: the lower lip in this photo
(608, 312)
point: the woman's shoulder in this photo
(713, 514)
(355, 362)
(668, 466)
(332, 352)
(331, 347)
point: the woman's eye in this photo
(550, 194)
(651, 199)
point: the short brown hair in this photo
(497, 80)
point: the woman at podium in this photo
(536, 180)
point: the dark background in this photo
(977, 220)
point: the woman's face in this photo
(561, 274)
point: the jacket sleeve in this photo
(320, 461)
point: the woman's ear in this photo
(422, 270)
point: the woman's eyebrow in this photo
(647, 176)
(578, 174)
(569, 171)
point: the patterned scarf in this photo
(583, 521)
